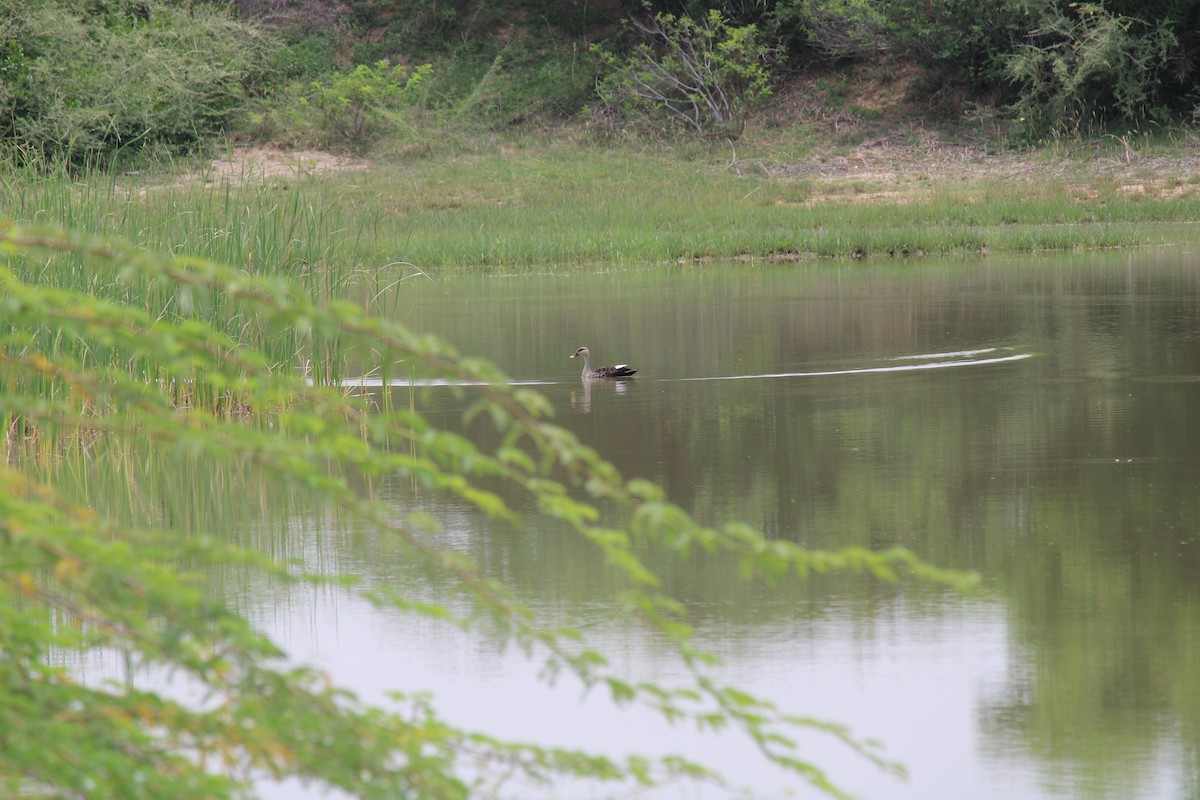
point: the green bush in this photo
(1087, 65)
(82, 81)
(307, 56)
(1059, 63)
(832, 29)
(699, 76)
(529, 80)
(957, 42)
(357, 106)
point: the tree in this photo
(81, 363)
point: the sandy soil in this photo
(256, 163)
(903, 165)
(885, 147)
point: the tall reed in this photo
(295, 229)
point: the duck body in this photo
(615, 371)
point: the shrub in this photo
(81, 81)
(699, 76)
(357, 106)
(307, 56)
(959, 42)
(1088, 64)
(833, 29)
(529, 80)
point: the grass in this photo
(268, 227)
(535, 210)
(527, 207)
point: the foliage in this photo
(73, 584)
(497, 67)
(529, 81)
(957, 41)
(92, 81)
(357, 106)
(85, 81)
(697, 75)
(306, 56)
(296, 16)
(1089, 65)
(834, 29)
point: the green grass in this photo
(564, 206)
(535, 209)
(276, 228)
(523, 207)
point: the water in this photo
(1034, 420)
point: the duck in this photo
(615, 371)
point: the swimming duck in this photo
(616, 371)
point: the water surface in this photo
(1031, 419)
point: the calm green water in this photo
(1035, 420)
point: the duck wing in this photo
(616, 371)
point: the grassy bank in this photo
(532, 208)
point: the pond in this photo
(1036, 420)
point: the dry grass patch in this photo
(259, 163)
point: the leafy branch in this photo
(60, 562)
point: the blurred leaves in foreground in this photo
(76, 366)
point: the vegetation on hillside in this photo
(1056, 66)
(81, 82)
(90, 81)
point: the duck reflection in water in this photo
(582, 400)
